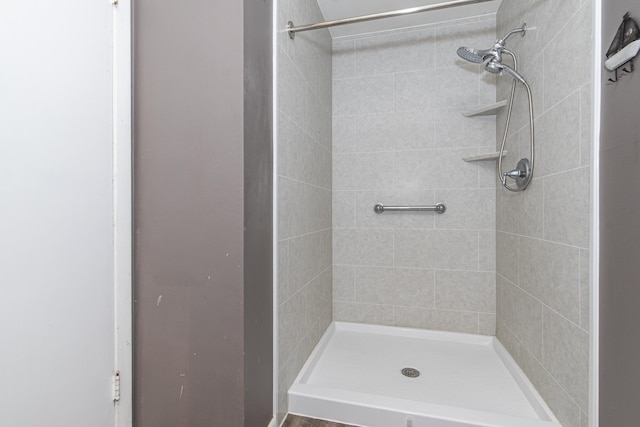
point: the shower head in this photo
(478, 56)
(474, 55)
(497, 67)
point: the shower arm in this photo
(502, 175)
(503, 40)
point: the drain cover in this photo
(410, 372)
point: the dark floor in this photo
(297, 421)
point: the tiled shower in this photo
(378, 118)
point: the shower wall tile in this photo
(543, 239)
(585, 294)
(562, 405)
(344, 209)
(558, 140)
(448, 87)
(344, 134)
(576, 38)
(344, 284)
(407, 84)
(344, 59)
(363, 171)
(453, 321)
(396, 286)
(410, 152)
(524, 315)
(435, 169)
(309, 255)
(486, 324)
(567, 207)
(467, 209)
(308, 161)
(363, 313)
(558, 283)
(319, 297)
(584, 420)
(304, 208)
(286, 288)
(465, 291)
(523, 212)
(363, 95)
(437, 249)
(450, 134)
(566, 356)
(487, 176)
(292, 324)
(385, 54)
(507, 262)
(354, 246)
(292, 86)
(304, 150)
(395, 131)
(586, 140)
(487, 251)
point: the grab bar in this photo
(437, 208)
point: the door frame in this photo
(594, 271)
(123, 211)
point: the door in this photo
(58, 222)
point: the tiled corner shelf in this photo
(486, 111)
(485, 157)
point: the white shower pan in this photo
(354, 376)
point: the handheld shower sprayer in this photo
(492, 58)
(496, 67)
(494, 55)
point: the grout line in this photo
(544, 304)
(539, 239)
(304, 182)
(288, 239)
(305, 286)
(411, 268)
(557, 383)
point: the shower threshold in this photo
(355, 376)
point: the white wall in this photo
(56, 220)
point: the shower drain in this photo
(410, 372)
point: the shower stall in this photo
(414, 289)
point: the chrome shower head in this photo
(474, 55)
(478, 56)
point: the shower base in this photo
(354, 376)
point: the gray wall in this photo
(543, 233)
(258, 212)
(304, 190)
(202, 174)
(399, 137)
(619, 235)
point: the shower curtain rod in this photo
(292, 30)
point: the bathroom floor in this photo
(297, 421)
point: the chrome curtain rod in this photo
(344, 21)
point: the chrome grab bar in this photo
(437, 208)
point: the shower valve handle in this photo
(522, 173)
(515, 174)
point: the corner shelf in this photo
(486, 111)
(485, 157)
